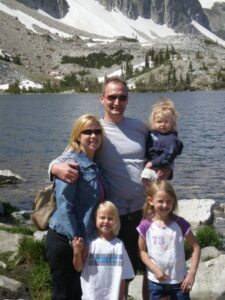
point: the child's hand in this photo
(78, 244)
(160, 276)
(148, 165)
(188, 282)
(164, 173)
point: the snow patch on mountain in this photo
(208, 33)
(29, 21)
(92, 17)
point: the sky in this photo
(209, 3)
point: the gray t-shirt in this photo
(122, 160)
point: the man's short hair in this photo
(115, 80)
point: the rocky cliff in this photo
(176, 14)
(216, 16)
(55, 8)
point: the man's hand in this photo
(66, 171)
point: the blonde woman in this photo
(76, 203)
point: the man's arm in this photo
(63, 169)
(66, 171)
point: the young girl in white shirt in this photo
(104, 263)
(161, 245)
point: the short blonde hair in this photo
(110, 206)
(115, 80)
(159, 185)
(80, 124)
(164, 108)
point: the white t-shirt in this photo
(106, 265)
(165, 246)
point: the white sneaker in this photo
(149, 174)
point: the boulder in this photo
(8, 177)
(9, 242)
(209, 281)
(10, 288)
(196, 211)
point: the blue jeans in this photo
(159, 290)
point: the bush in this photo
(38, 278)
(31, 251)
(39, 282)
(207, 236)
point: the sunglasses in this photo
(97, 131)
(122, 98)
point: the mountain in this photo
(216, 17)
(55, 8)
(176, 14)
(40, 33)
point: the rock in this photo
(209, 281)
(10, 288)
(218, 210)
(56, 8)
(23, 216)
(9, 242)
(196, 211)
(8, 177)
(135, 287)
(208, 253)
(3, 265)
(40, 235)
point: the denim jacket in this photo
(77, 201)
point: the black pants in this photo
(129, 235)
(65, 280)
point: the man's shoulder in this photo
(134, 120)
(137, 123)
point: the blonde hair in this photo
(116, 219)
(159, 185)
(164, 108)
(80, 124)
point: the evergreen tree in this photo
(146, 61)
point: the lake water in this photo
(35, 129)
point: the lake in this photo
(35, 129)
